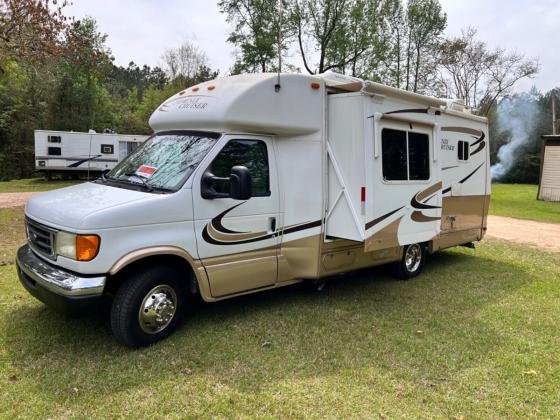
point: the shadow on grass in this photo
(424, 330)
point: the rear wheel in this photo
(411, 263)
(148, 306)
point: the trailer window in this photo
(405, 155)
(54, 139)
(394, 155)
(463, 150)
(54, 151)
(250, 153)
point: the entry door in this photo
(237, 239)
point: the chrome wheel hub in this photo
(413, 257)
(157, 309)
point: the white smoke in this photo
(517, 116)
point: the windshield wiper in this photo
(144, 182)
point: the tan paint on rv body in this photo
(384, 238)
(464, 212)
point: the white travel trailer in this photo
(69, 152)
(256, 181)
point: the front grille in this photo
(40, 237)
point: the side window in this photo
(250, 153)
(463, 150)
(405, 155)
(418, 156)
(54, 139)
(395, 161)
(54, 151)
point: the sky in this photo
(141, 30)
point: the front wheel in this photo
(411, 263)
(148, 306)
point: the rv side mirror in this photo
(208, 184)
(240, 185)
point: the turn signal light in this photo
(315, 85)
(87, 247)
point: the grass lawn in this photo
(12, 233)
(475, 336)
(520, 201)
(34, 184)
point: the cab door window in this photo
(252, 154)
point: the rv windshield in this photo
(164, 161)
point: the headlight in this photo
(66, 244)
(77, 247)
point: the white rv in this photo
(252, 182)
(69, 152)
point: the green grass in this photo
(34, 184)
(475, 336)
(12, 233)
(520, 201)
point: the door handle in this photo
(272, 224)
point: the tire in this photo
(411, 263)
(161, 292)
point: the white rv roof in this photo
(251, 102)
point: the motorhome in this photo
(258, 181)
(70, 153)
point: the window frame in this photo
(418, 129)
(112, 148)
(269, 189)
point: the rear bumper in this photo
(60, 289)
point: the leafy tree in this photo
(187, 65)
(258, 29)
(478, 75)
(30, 29)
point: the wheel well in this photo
(114, 281)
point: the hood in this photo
(96, 206)
(69, 206)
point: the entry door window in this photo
(405, 155)
(250, 153)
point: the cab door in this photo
(238, 240)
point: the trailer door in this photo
(406, 198)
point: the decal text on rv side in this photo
(446, 146)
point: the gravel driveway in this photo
(14, 199)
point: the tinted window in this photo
(418, 156)
(54, 139)
(405, 155)
(54, 151)
(250, 153)
(463, 150)
(394, 154)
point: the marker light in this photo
(182, 92)
(315, 85)
(211, 87)
(87, 247)
(195, 89)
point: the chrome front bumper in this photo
(35, 272)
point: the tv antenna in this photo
(279, 40)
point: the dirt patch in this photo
(14, 199)
(537, 234)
